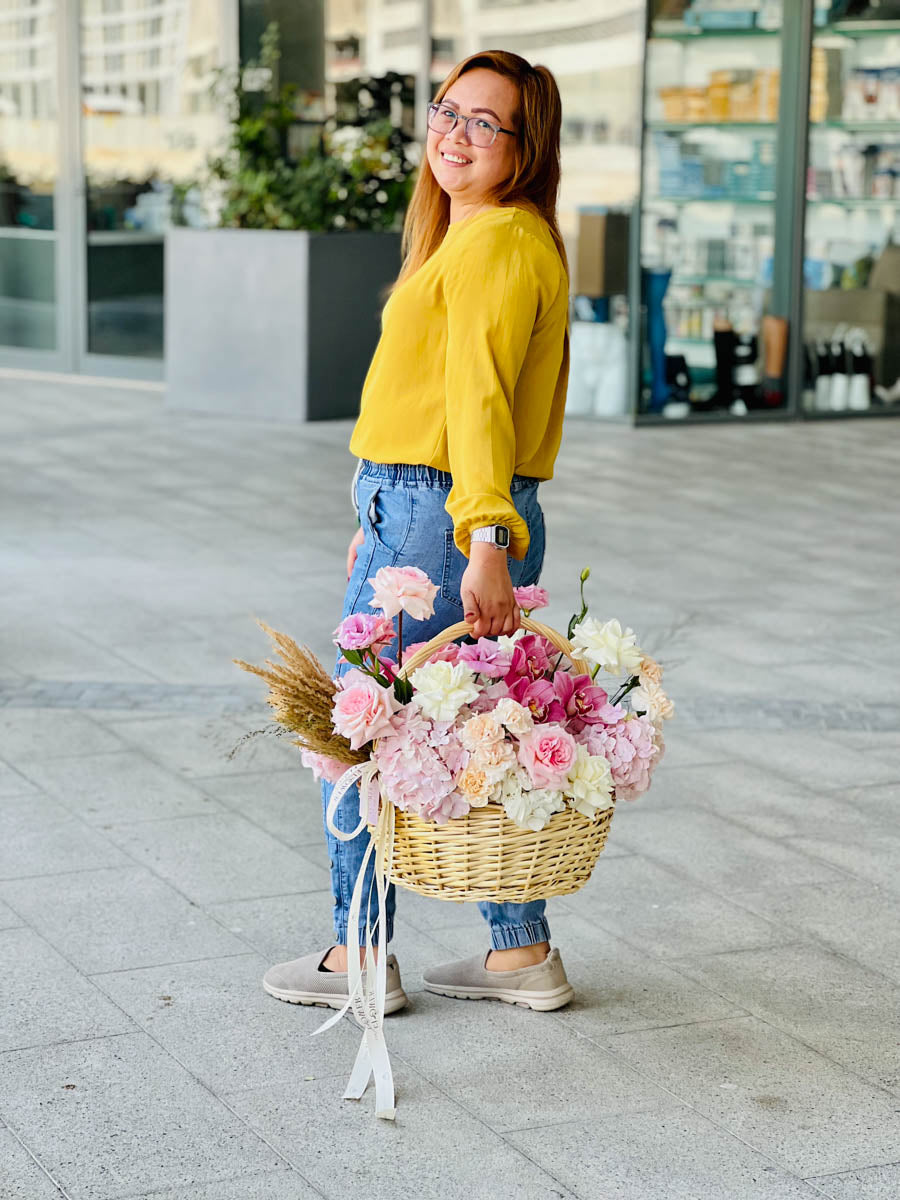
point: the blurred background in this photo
(730, 195)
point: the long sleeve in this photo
(492, 305)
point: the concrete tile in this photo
(286, 804)
(790, 1103)
(664, 914)
(857, 919)
(195, 746)
(705, 848)
(264, 1040)
(873, 855)
(814, 760)
(32, 971)
(669, 1151)
(286, 1185)
(118, 919)
(40, 837)
(456, 1156)
(219, 857)
(109, 1115)
(869, 1183)
(13, 782)
(126, 786)
(49, 733)
(8, 918)
(853, 1021)
(64, 655)
(21, 1177)
(473, 1051)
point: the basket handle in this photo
(452, 632)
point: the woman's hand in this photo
(358, 538)
(489, 604)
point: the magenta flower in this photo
(540, 698)
(486, 657)
(530, 658)
(364, 631)
(583, 701)
(531, 597)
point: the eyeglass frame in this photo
(459, 116)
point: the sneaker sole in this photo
(393, 1001)
(539, 1001)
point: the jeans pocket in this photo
(386, 512)
(455, 564)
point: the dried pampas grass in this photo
(301, 694)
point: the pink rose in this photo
(531, 597)
(323, 767)
(362, 708)
(406, 588)
(364, 631)
(539, 697)
(446, 653)
(547, 753)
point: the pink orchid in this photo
(403, 588)
(583, 700)
(529, 658)
(486, 657)
(539, 697)
(531, 597)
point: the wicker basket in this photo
(484, 855)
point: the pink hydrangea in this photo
(488, 697)
(547, 753)
(531, 597)
(363, 631)
(362, 708)
(632, 748)
(486, 658)
(323, 767)
(418, 761)
(540, 698)
(583, 701)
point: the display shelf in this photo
(879, 410)
(856, 126)
(867, 202)
(857, 29)
(721, 417)
(764, 199)
(656, 126)
(687, 34)
(702, 280)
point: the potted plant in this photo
(276, 312)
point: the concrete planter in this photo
(275, 324)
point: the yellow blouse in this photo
(470, 372)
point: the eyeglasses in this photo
(479, 131)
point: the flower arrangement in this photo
(496, 721)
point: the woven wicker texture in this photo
(484, 855)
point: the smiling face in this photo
(479, 92)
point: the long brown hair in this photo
(534, 183)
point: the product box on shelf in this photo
(601, 263)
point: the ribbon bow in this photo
(366, 991)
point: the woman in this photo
(461, 416)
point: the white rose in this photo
(515, 716)
(605, 644)
(590, 782)
(442, 688)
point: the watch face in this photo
(501, 535)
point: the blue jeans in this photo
(402, 514)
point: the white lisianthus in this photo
(533, 809)
(590, 782)
(652, 700)
(513, 715)
(442, 688)
(508, 644)
(605, 645)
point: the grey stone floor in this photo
(736, 954)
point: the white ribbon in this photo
(366, 990)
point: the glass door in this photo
(29, 176)
(852, 250)
(710, 344)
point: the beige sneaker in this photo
(305, 981)
(543, 986)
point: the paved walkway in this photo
(736, 955)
